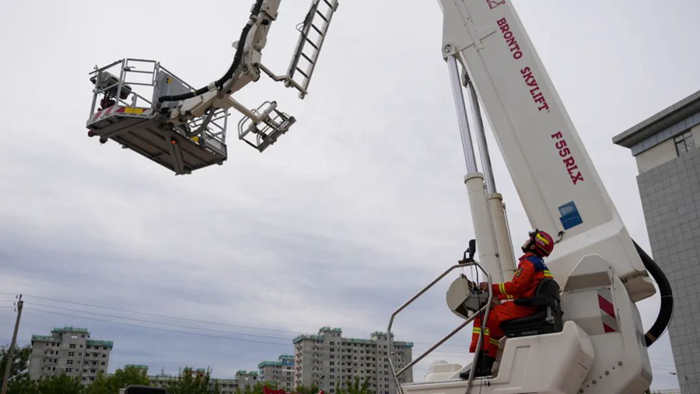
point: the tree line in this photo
(189, 381)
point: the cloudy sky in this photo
(350, 213)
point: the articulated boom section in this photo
(555, 178)
(183, 128)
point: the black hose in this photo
(234, 65)
(666, 309)
(256, 7)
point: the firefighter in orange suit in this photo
(531, 270)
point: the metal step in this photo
(271, 123)
(313, 32)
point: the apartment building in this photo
(328, 360)
(665, 147)
(69, 351)
(280, 372)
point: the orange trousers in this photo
(492, 332)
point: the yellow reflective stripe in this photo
(547, 274)
(502, 289)
(494, 341)
(133, 110)
(477, 330)
(543, 239)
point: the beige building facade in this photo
(280, 372)
(328, 360)
(69, 351)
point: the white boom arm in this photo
(266, 122)
(218, 94)
(554, 176)
(601, 348)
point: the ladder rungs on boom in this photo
(317, 20)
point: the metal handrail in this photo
(133, 74)
(485, 309)
(480, 341)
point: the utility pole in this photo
(9, 357)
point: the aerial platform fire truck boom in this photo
(587, 336)
(144, 107)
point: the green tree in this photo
(121, 378)
(22, 386)
(307, 390)
(19, 368)
(354, 387)
(192, 381)
(60, 385)
(257, 388)
(49, 385)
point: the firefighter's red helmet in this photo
(542, 242)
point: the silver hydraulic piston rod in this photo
(501, 232)
(474, 180)
(462, 119)
(478, 125)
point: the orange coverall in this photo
(531, 270)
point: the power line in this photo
(38, 309)
(184, 327)
(156, 322)
(63, 301)
(59, 301)
(41, 309)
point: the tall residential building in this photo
(69, 351)
(668, 160)
(328, 360)
(280, 372)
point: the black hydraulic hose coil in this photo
(234, 65)
(666, 309)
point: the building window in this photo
(684, 142)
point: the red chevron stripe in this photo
(606, 306)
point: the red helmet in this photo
(540, 241)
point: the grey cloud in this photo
(353, 210)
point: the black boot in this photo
(484, 364)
